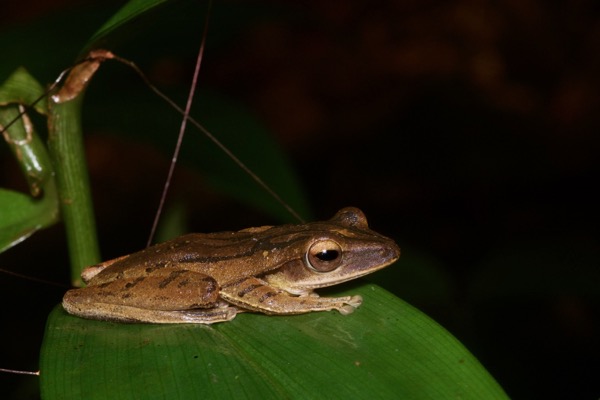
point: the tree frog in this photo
(208, 278)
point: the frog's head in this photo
(338, 250)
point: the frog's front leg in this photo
(256, 295)
(167, 296)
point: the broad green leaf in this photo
(386, 349)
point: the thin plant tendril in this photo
(186, 114)
(209, 135)
(16, 371)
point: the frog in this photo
(205, 278)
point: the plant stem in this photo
(65, 141)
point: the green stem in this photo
(65, 141)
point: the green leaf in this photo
(386, 349)
(22, 88)
(20, 214)
(124, 18)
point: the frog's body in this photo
(207, 278)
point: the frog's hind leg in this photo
(168, 296)
(120, 313)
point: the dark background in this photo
(466, 130)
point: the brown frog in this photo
(208, 278)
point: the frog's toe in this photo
(351, 305)
(347, 309)
(355, 301)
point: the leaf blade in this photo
(124, 17)
(386, 347)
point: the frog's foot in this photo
(352, 304)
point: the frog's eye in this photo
(324, 256)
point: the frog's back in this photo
(229, 257)
(196, 251)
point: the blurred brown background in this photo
(467, 130)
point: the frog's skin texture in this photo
(208, 278)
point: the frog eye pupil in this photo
(328, 255)
(324, 256)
